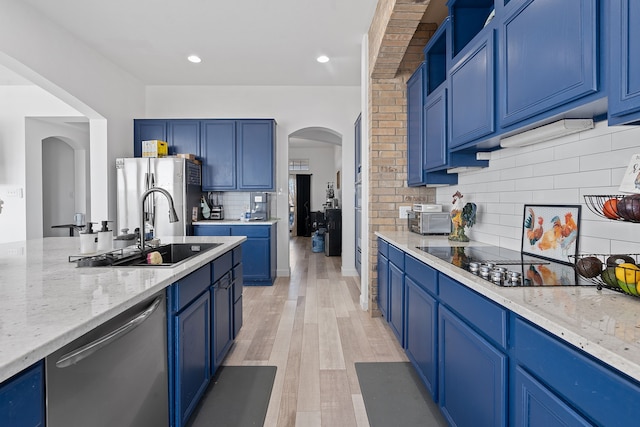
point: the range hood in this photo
(547, 132)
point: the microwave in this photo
(430, 222)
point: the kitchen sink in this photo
(172, 254)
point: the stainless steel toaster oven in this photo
(429, 222)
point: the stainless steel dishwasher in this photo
(115, 375)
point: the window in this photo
(298, 164)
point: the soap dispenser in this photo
(88, 240)
(105, 237)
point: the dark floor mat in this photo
(238, 396)
(394, 396)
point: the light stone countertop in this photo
(270, 221)
(605, 323)
(46, 302)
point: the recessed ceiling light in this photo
(322, 59)
(194, 58)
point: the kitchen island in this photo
(511, 354)
(47, 302)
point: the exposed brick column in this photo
(388, 125)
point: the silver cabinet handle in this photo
(86, 350)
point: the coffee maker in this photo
(260, 206)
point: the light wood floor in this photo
(311, 326)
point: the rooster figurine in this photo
(461, 217)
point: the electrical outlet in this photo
(404, 210)
(14, 192)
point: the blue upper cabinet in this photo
(238, 155)
(548, 56)
(435, 129)
(184, 136)
(256, 155)
(148, 129)
(218, 148)
(415, 148)
(471, 93)
(624, 33)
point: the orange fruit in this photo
(610, 208)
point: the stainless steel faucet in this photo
(173, 216)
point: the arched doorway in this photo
(315, 152)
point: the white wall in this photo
(17, 103)
(294, 108)
(322, 169)
(53, 59)
(77, 136)
(554, 172)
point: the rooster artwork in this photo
(548, 232)
(461, 217)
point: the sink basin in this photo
(172, 254)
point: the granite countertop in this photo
(46, 302)
(603, 323)
(269, 221)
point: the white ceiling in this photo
(246, 42)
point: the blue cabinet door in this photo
(472, 375)
(257, 257)
(222, 305)
(22, 398)
(358, 147)
(256, 155)
(396, 301)
(218, 150)
(624, 33)
(258, 253)
(148, 129)
(184, 137)
(192, 356)
(383, 285)
(421, 332)
(415, 141)
(435, 129)
(548, 56)
(535, 406)
(471, 94)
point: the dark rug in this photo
(394, 396)
(238, 396)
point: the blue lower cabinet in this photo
(534, 405)
(22, 399)
(221, 314)
(472, 375)
(383, 284)
(237, 298)
(421, 333)
(600, 393)
(192, 356)
(259, 250)
(396, 293)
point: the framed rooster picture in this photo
(551, 231)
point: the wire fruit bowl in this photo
(620, 273)
(616, 207)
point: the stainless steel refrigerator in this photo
(180, 177)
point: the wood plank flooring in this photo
(311, 326)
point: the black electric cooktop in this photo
(505, 267)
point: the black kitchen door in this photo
(303, 205)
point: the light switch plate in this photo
(403, 211)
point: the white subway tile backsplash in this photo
(535, 157)
(554, 167)
(587, 178)
(555, 172)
